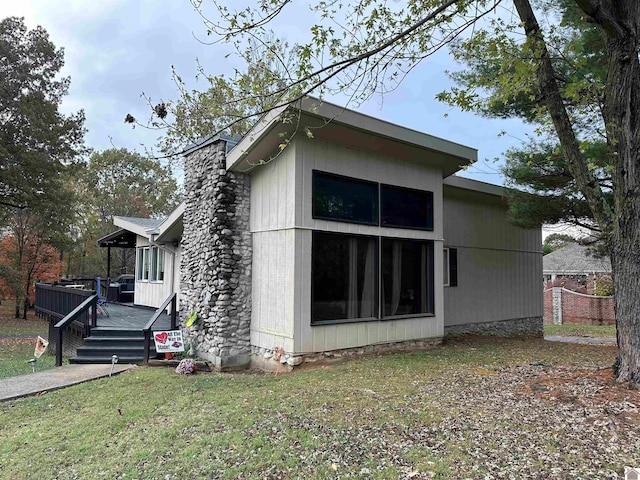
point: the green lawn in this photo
(596, 331)
(472, 408)
(17, 342)
(15, 355)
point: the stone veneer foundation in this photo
(502, 328)
(264, 359)
(215, 271)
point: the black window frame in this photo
(429, 221)
(376, 204)
(430, 244)
(377, 293)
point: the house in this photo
(157, 244)
(356, 236)
(576, 262)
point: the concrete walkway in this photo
(558, 338)
(55, 378)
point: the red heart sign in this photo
(162, 337)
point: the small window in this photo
(142, 273)
(450, 267)
(445, 267)
(157, 264)
(406, 208)
(344, 199)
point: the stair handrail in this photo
(171, 299)
(66, 321)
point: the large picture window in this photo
(350, 273)
(407, 277)
(344, 199)
(406, 208)
(344, 276)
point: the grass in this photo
(595, 331)
(15, 355)
(333, 421)
(17, 342)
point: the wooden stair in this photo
(104, 342)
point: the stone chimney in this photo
(215, 272)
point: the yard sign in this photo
(168, 341)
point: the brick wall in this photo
(580, 309)
(548, 307)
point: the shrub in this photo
(186, 366)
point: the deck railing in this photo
(82, 309)
(54, 302)
(173, 325)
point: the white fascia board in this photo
(253, 136)
(173, 218)
(130, 226)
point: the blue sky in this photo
(117, 49)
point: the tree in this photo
(228, 103)
(38, 145)
(368, 46)
(117, 182)
(555, 241)
(36, 140)
(26, 255)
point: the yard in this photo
(17, 342)
(472, 408)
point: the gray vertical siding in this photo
(334, 158)
(499, 264)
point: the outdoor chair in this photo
(102, 301)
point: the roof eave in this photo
(246, 154)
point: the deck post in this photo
(58, 347)
(147, 345)
(94, 316)
(174, 313)
(108, 263)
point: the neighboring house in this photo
(360, 236)
(575, 262)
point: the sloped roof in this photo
(574, 259)
(349, 128)
(140, 226)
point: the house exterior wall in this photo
(273, 208)
(499, 266)
(149, 293)
(282, 226)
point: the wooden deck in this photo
(131, 317)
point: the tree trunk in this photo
(17, 306)
(622, 119)
(625, 263)
(619, 24)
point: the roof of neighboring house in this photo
(574, 259)
(334, 123)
